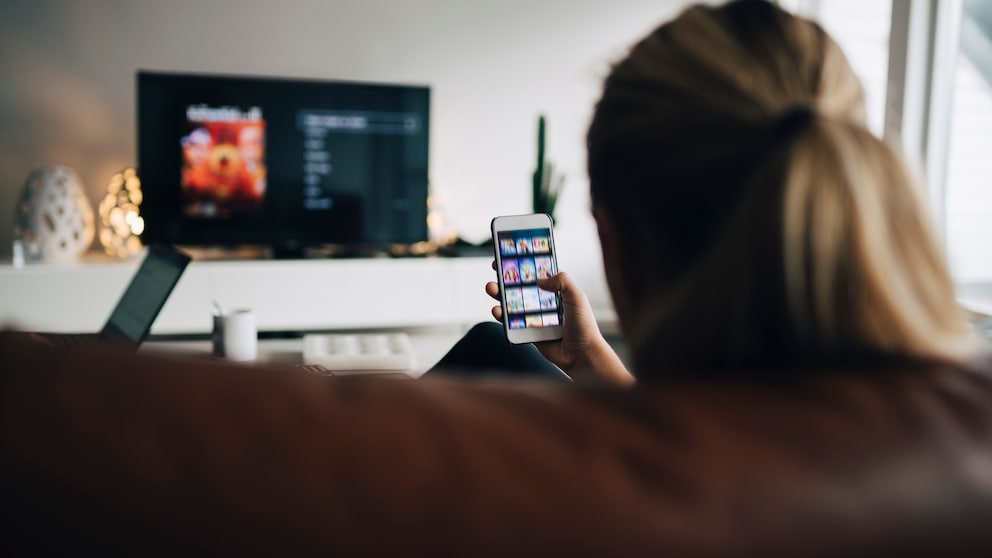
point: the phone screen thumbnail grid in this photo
(526, 256)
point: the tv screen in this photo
(287, 163)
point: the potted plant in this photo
(547, 183)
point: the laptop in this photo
(132, 318)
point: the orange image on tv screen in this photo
(223, 171)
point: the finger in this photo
(561, 282)
(497, 313)
(494, 265)
(492, 289)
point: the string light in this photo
(120, 216)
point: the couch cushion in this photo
(154, 454)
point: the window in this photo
(967, 178)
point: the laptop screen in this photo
(140, 304)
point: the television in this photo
(284, 163)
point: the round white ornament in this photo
(54, 219)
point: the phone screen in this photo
(527, 255)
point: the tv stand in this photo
(287, 295)
(340, 252)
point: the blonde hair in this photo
(761, 223)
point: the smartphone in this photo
(525, 252)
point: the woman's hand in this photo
(582, 352)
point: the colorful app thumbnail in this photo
(550, 319)
(543, 264)
(223, 173)
(524, 246)
(514, 300)
(548, 300)
(528, 273)
(531, 298)
(534, 320)
(541, 244)
(511, 272)
(507, 247)
(517, 322)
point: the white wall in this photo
(67, 86)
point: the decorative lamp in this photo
(440, 227)
(53, 219)
(120, 219)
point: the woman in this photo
(748, 218)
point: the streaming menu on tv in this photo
(319, 127)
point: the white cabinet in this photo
(287, 295)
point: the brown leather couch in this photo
(150, 455)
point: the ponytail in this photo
(862, 270)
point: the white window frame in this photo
(923, 54)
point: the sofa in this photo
(149, 454)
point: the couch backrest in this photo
(156, 455)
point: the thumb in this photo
(562, 283)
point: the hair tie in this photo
(794, 120)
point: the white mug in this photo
(239, 335)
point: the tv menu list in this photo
(317, 125)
